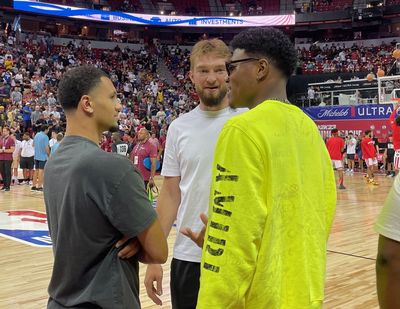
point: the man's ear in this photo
(263, 69)
(191, 76)
(86, 104)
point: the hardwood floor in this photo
(26, 269)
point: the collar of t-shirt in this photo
(76, 138)
(212, 114)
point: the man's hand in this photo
(154, 272)
(151, 182)
(131, 246)
(197, 238)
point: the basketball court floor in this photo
(26, 256)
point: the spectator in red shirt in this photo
(142, 150)
(7, 146)
(106, 142)
(369, 155)
(335, 146)
(395, 124)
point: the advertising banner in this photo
(152, 20)
(355, 118)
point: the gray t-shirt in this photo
(92, 199)
(35, 116)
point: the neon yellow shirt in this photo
(272, 202)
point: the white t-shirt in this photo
(27, 148)
(351, 146)
(189, 153)
(388, 223)
(52, 142)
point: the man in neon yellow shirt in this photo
(273, 192)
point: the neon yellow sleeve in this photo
(237, 214)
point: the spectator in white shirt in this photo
(27, 154)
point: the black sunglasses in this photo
(230, 65)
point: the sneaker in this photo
(33, 188)
(342, 187)
(3, 189)
(30, 182)
(39, 189)
(6, 189)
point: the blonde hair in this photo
(214, 46)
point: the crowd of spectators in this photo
(31, 67)
(338, 58)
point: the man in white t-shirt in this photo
(388, 258)
(351, 144)
(187, 167)
(53, 139)
(27, 154)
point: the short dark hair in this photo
(397, 120)
(270, 43)
(44, 127)
(367, 132)
(76, 83)
(333, 131)
(147, 126)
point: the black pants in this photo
(5, 171)
(185, 284)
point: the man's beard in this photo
(212, 100)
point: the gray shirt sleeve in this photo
(129, 209)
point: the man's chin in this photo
(212, 100)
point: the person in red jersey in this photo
(369, 155)
(143, 149)
(335, 145)
(395, 124)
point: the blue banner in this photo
(357, 112)
(152, 20)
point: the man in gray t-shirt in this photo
(100, 220)
(35, 116)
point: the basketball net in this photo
(395, 100)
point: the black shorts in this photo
(390, 159)
(27, 163)
(185, 284)
(39, 165)
(350, 156)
